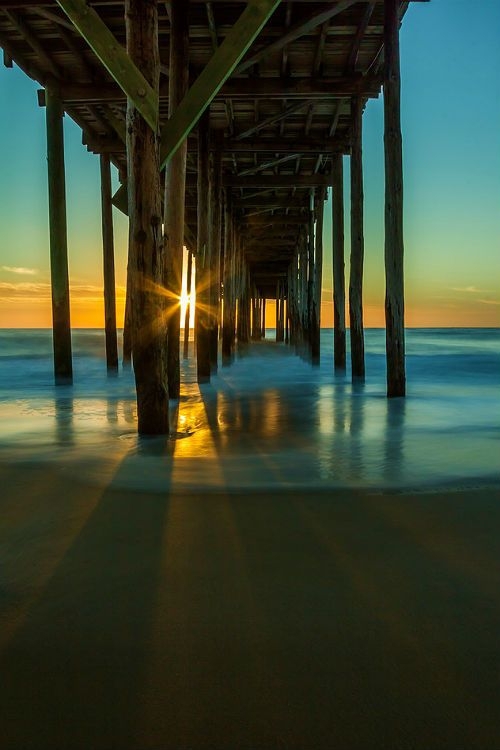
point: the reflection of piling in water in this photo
(394, 437)
(64, 427)
(357, 404)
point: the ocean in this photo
(270, 420)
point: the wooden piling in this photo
(244, 305)
(61, 326)
(310, 270)
(175, 184)
(339, 344)
(263, 319)
(357, 244)
(202, 256)
(215, 251)
(108, 266)
(317, 282)
(145, 235)
(394, 245)
(228, 320)
(127, 328)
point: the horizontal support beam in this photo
(239, 88)
(285, 146)
(303, 147)
(277, 181)
(269, 203)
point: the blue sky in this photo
(451, 141)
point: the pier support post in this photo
(202, 256)
(228, 320)
(339, 348)
(145, 265)
(108, 266)
(61, 327)
(310, 271)
(263, 319)
(175, 185)
(127, 329)
(394, 245)
(357, 244)
(317, 281)
(215, 251)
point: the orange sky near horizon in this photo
(87, 311)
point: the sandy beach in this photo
(246, 620)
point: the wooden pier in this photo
(228, 123)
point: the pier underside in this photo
(228, 123)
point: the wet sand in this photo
(335, 619)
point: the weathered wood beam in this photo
(299, 29)
(277, 181)
(271, 204)
(108, 266)
(360, 33)
(267, 165)
(357, 244)
(330, 88)
(175, 187)
(145, 257)
(284, 54)
(320, 48)
(394, 243)
(272, 120)
(63, 368)
(211, 25)
(339, 337)
(284, 146)
(55, 18)
(114, 58)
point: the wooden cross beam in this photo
(114, 58)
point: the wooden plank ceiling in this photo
(277, 120)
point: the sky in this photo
(450, 60)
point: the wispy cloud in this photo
(23, 289)
(20, 270)
(489, 301)
(470, 290)
(26, 290)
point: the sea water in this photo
(269, 420)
